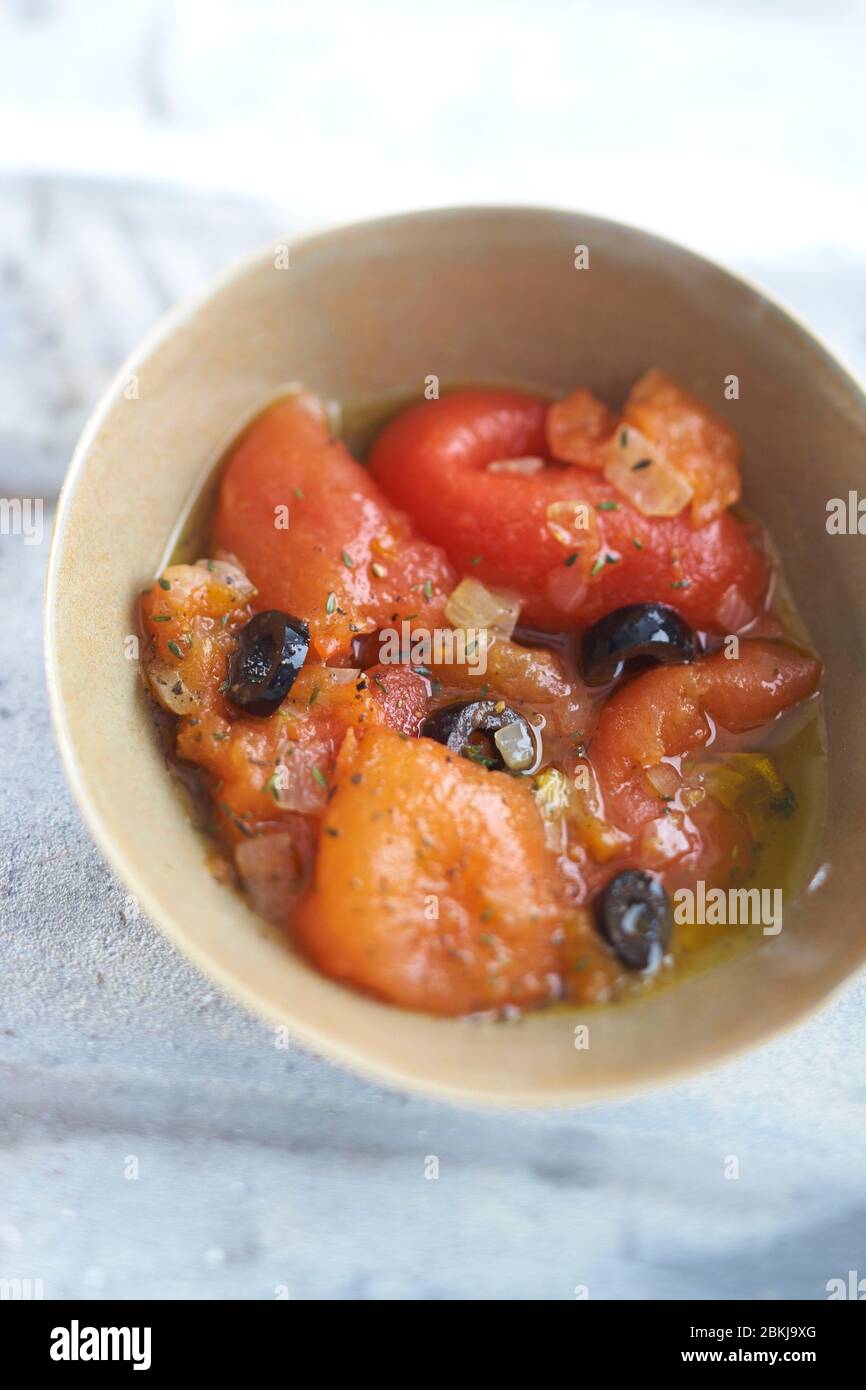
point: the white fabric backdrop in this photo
(728, 124)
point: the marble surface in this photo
(153, 1142)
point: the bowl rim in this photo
(319, 1042)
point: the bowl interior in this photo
(372, 310)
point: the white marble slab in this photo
(261, 1170)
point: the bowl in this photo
(366, 311)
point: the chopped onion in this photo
(169, 689)
(524, 466)
(471, 605)
(664, 779)
(602, 840)
(271, 871)
(294, 783)
(567, 587)
(639, 470)
(226, 572)
(559, 798)
(342, 675)
(518, 747)
(552, 793)
(734, 611)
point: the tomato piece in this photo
(563, 539)
(270, 770)
(316, 535)
(694, 440)
(408, 906)
(579, 429)
(265, 773)
(275, 867)
(534, 679)
(666, 713)
(189, 618)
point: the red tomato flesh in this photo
(318, 538)
(432, 461)
(664, 713)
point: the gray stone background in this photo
(141, 147)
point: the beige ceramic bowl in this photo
(365, 311)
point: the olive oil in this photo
(786, 850)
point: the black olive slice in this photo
(633, 916)
(454, 725)
(271, 650)
(639, 629)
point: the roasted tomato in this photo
(562, 538)
(318, 538)
(692, 440)
(646, 729)
(262, 770)
(407, 906)
(535, 679)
